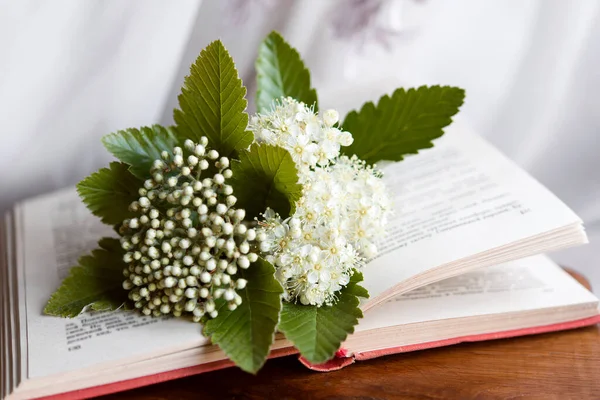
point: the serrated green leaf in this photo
(109, 192)
(140, 147)
(246, 334)
(318, 332)
(401, 124)
(281, 73)
(266, 176)
(212, 103)
(96, 283)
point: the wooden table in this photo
(562, 365)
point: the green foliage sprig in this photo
(212, 105)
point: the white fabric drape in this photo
(72, 71)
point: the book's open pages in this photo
(460, 206)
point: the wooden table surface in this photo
(561, 365)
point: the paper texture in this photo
(458, 199)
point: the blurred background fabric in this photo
(72, 71)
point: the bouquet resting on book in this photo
(250, 224)
(227, 239)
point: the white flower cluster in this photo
(312, 139)
(342, 212)
(349, 196)
(313, 261)
(185, 248)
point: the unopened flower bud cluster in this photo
(185, 248)
(340, 216)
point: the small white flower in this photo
(331, 117)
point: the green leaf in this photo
(246, 334)
(96, 283)
(318, 332)
(281, 73)
(140, 147)
(266, 176)
(109, 192)
(401, 124)
(212, 103)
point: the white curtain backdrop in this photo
(74, 70)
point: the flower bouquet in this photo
(250, 225)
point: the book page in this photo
(458, 199)
(532, 283)
(54, 231)
(6, 358)
(16, 350)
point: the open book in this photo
(445, 274)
